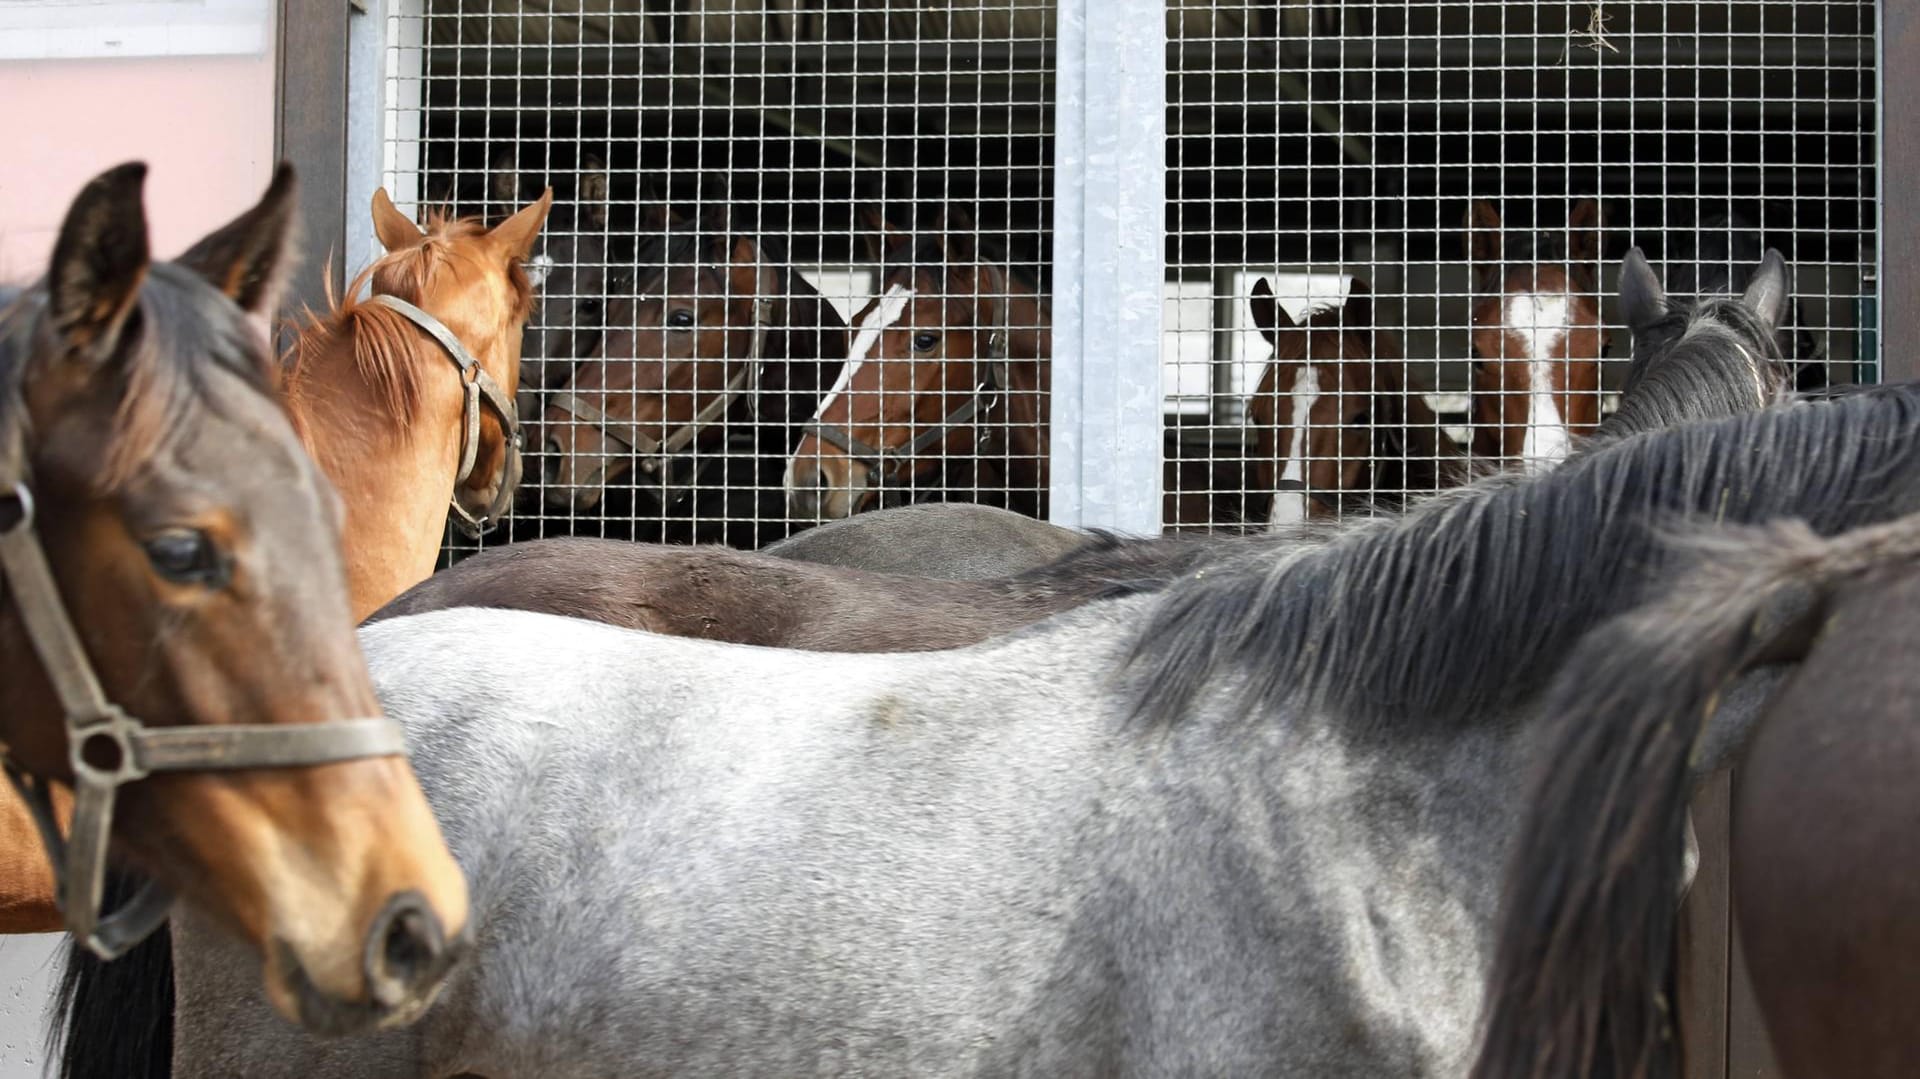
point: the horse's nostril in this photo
(821, 479)
(406, 950)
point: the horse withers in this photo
(176, 638)
(1538, 335)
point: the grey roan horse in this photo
(1251, 824)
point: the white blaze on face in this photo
(1541, 322)
(1290, 506)
(885, 314)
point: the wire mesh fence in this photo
(799, 263)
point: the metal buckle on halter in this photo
(107, 749)
(478, 388)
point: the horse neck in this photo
(394, 480)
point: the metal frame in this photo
(1109, 218)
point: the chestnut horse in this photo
(393, 414)
(952, 340)
(1537, 336)
(697, 391)
(175, 635)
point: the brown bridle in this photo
(656, 455)
(885, 462)
(107, 748)
(480, 388)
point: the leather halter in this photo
(656, 455)
(129, 750)
(480, 388)
(886, 462)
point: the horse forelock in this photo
(180, 341)
(1461, 607)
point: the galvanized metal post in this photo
(1109, 263)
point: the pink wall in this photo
(204, 125)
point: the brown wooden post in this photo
(311, 132)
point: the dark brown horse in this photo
(1335, 425)
(175, 604)
(695, 395)
(1538, 337)
(1824, 844)
(944, 390)
(719, 594)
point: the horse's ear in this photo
(1268, 315)
(99, 262)
(518, 232)
(752, 276)
(1483, 233)
(1583, 234)
(394, 230)
(1767, 293)
(595, 194)
(249, 259)
(1643, 301)
(1357, 313)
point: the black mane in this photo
(1462, 607)
(1701, 360)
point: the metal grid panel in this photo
(671, 132)
(1309, 146)
(1317, 143)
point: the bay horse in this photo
(1245, 823)
(372, 395)
(696, 396)
(719, 594)
(1356, 436)
(407, 396)
(175, 637)
(1538, 336)
(1823, 842)
(944, 389)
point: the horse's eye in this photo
(187, 556)
(925, 342)
(680, 318)
(591, 307)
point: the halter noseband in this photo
(656, 456)
(885, 462)
(129, 750)
(480, 387)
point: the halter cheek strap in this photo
(656, 456)
(108, 749)
(480, 388)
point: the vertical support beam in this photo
(366, 127)
(311, 131)
(1109, 211)
(1899, 209)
